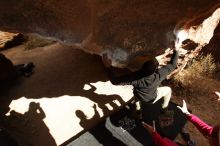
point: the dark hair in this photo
(149, 67)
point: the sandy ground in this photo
(202, 103)
(68, 93)
(73, 92)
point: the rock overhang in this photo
(124, 29)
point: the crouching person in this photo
(146, 81)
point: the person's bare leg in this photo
(163, 92)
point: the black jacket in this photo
(145, 86)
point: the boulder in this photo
(213, 46)
(122, 29)
(8, 40)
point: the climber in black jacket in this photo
(146, 81)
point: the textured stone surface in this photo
(73, 81)
(8, 40)
(120, 28)
(214, 47)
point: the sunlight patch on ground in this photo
(109, 106)
(61, 119)
(60, 114)
(106, 88)
(87, 87)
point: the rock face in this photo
(8, 40)
(123, 29)
(8, 71)
(214, 45)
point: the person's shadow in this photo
(100, 132)
(63, 76)
(29, 128)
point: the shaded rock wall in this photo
(214, 46)
(120, 28)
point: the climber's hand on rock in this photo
(106, 61)
(184, 108)
(168, 51)
(176, 48)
